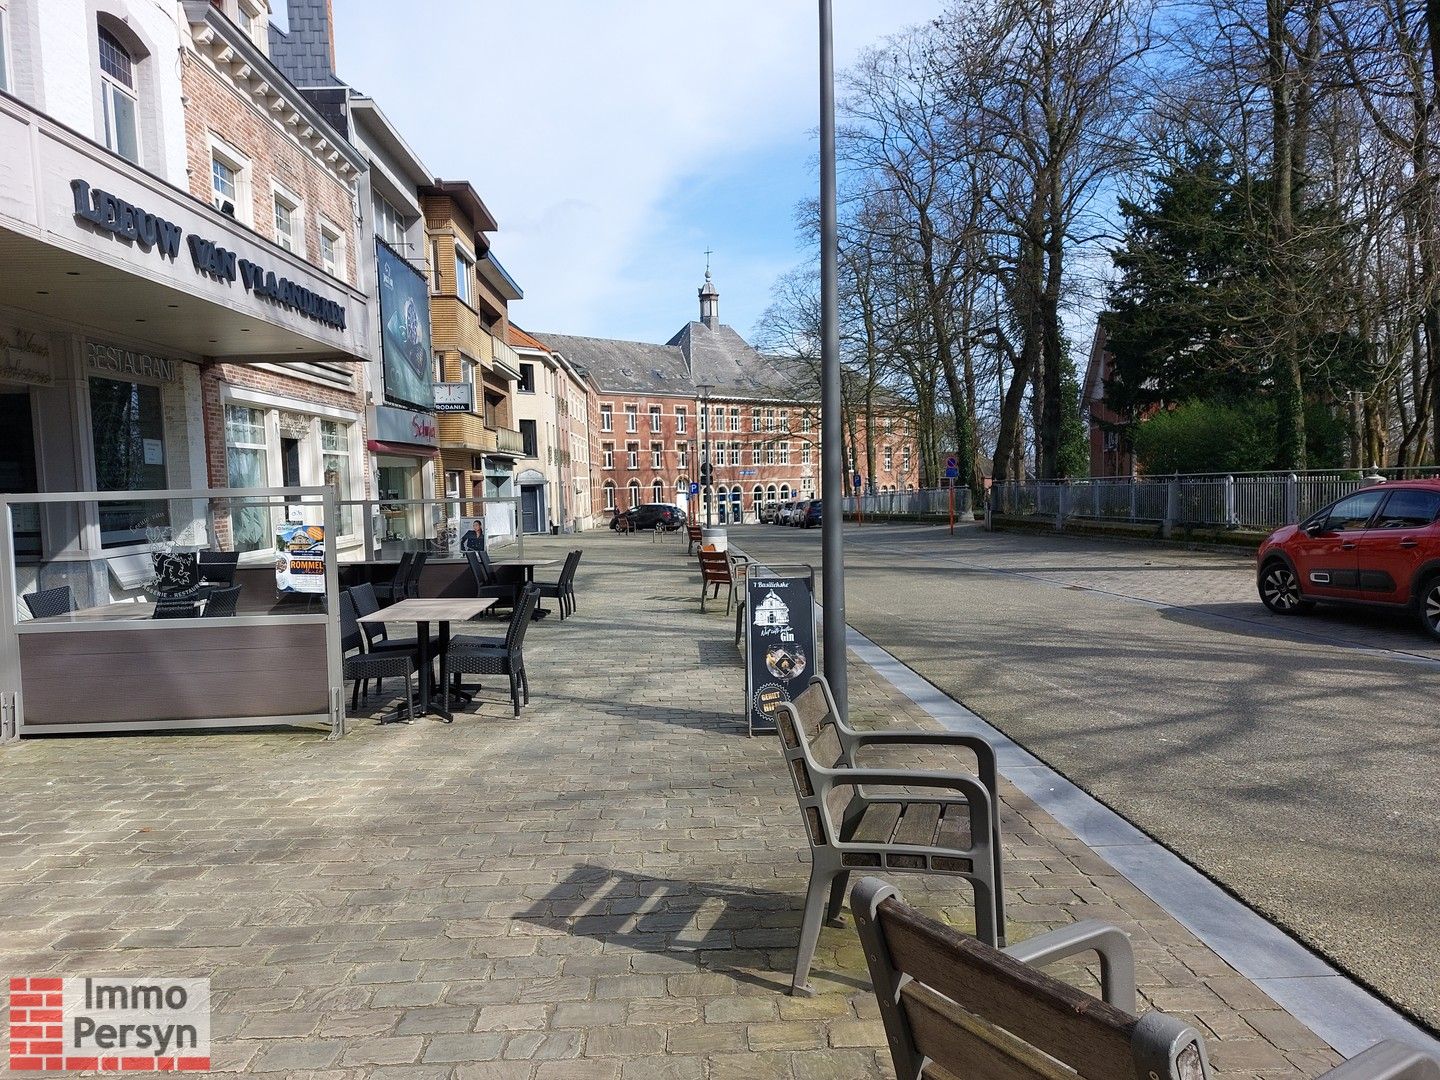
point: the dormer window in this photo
(117, 97)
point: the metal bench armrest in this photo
(976, 744)
(1117, 959)
(1387, 1060)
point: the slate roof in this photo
(697, 354)
(304, 53)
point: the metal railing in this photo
(1256, 501)
(922, 502)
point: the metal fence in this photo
(1259, 501)
(925, 502)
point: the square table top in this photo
(523, 562)
(436, 609)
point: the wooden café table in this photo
(422, 613)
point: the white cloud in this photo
(577, 121)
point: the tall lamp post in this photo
(832, 462)
(707, 470)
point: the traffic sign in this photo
(952, 468)
(694, 488)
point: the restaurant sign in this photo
(110, 213)
(780, 642)
(454, 397)
(113, 360)
(403, 426)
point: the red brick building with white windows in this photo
(656, 408)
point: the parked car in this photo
(783, 512)
(812, 514)
(1379, 546)
(647, 515)
(797, 514)
(768, 512)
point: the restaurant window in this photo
(463, 266)
(335, 451)
(607, 455)
(246, 467)
(389, 224)
(654, 417)
(680, 421)
(609, 496)
(607, 418)
(632, 454)
(632, 418)
(117, 97)
(634, 493)
(287, 217)
(127, 427)
(527, 379)
(528, 444)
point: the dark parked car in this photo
(812, 514)
(648, 515)
(1380, 546)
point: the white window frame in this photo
(390, 224)
(756, 452)
(682, 456)
(5, 67)
(905, 458)
(655, 419)
(735, 453)
(784, 455)
(607, 418)
(632, 456)
(734, 418)
(339, 266)
(657, 456)
(607, 455)
(239, 164)
(632, 419)
(805, 453)
(110, 86)
(279, 197)
(609, 495)
(464, 268)
(680, 419)
(805, 424)
(769, 419)
(889, 454)
(634, 489)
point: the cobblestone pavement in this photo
(607, 887)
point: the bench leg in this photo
(837, 899)
(810, 930)
(985, 913)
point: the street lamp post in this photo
(706, 482)
(832, 461)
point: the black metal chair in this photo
(394, 589)
(486, 583)
(218, 567)
(563, 590)
(412, 579)
(364, 666)
(479, 656)
(47, 603)
(222, 602)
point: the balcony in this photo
(465, 431)
(508, 441)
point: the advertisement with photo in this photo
(405, 352)
(300, 558)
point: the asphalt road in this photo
(1294, 760)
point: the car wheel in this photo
(1280, 590)
(1430, 606)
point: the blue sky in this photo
(615, 140)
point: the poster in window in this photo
(405, 351)
(300, 558)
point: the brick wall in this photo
(213, 106)
(37, 1026)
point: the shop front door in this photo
(531, 504)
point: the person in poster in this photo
(474, 538)
(405, 352)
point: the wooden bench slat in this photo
(878, 824)
(1068, 1024)
(954, 831)
(919, 824)
(959, 1045)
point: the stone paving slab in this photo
(608, 886)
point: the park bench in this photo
(716, 569)
(956, 1007)
(692, 537)
(952, 827)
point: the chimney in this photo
(709, 302)
(312, 37)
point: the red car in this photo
(1378, 546)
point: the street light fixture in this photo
(707, 470)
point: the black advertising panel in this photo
(780, 656)
(405, 352)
